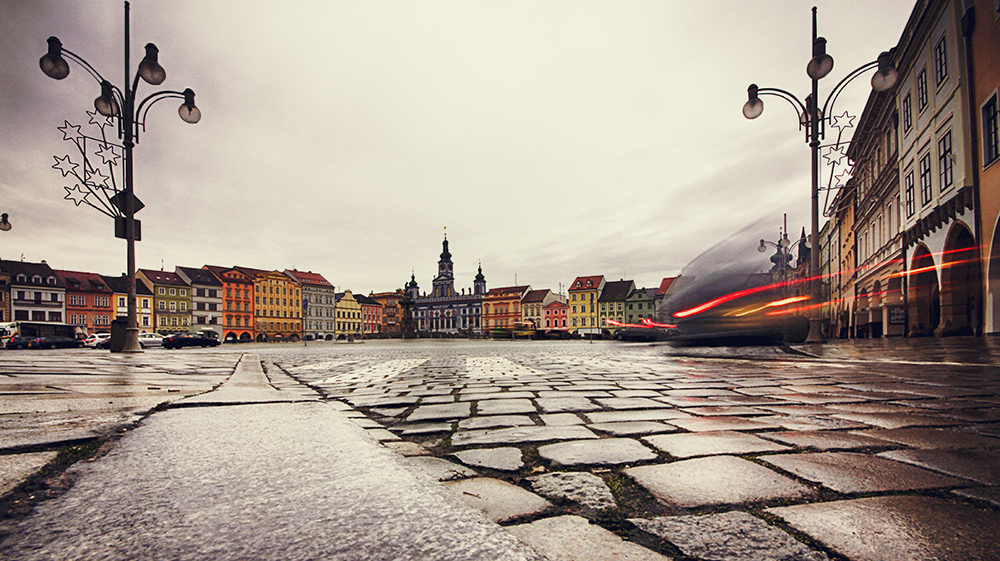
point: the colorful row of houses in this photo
(237, 303)
(912, 246)
(242, 304)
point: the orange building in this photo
(89, 301)
(502, 307)
(237, 304)
(392, 312)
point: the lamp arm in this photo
(151, 99)
(82, 62)
(800, 107)
(835, 93)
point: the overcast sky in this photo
(553, 139)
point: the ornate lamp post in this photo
(813, 119)
(120, 105)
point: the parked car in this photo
(178, 340)
(19, 342)
(55, 342)
(147, 339)
(95, 338)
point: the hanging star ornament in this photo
(107, 154)
(98, 119)
(65, 166)
(842, 178)
(842, 122)
(835, 154)
(76, 194)
(70, 132)
(99, 179)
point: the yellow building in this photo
(583, 296)
(349, 320)
(277, 301)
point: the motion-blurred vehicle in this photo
(55, 342)
(18, 342)
(94, 339)
(147, 339)
(179, 340)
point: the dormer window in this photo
(22, 278)
(51, 280)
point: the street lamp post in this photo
(814, 120)
(120, 104)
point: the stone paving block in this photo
(723, 410)
(850, 472)
(584, 488)
(981, 466)
(605, 451)
(933, 438)
(421, 428)
(730, 536)
(896, 420)
(625, 403)
(705, 424)
(435, 399)
(800, 410)
(641, 415)
(15, 468)
(825, 440)
(988, 494)
(381, 435)
(515, 435)
(572, 392)
(498, 500)
(566, 404)
(444, 411)
(974, 415)
(811, 423)
(714, 480)
(441, 469)
(636, 393)
(699, 392)
(561, 419)
(896, 528)
(687, 445)
(503, 459)
(572, 538)
(815, 399)
(629, 428)
(504, 407)
(495, 395)
(406, 448)
(493, 421)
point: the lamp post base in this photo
(130, 342)
(815, 331)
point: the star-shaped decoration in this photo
(65, 166)
(835, 154)
(98, 178)
(842, 178)
(98, 119)
(842, 122)
(76, 194)
(70, 132)
(107, 154)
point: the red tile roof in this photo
(308, 277)
(664, 285)
(581, 283)
(535, 296)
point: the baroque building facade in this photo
(446, 311)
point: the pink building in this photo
(555, 316)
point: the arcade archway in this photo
(961, 281)
(925, 294)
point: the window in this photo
(925, 179)
(162, 305)
(908, 191)
(121, 302)
(940, 62)
(991, 140)
(184, 292)
(184, 306)
(173, 306)
(161, 291)
(907, 113)
(145, 303)
(945, 161)
(922, 90)
(173, 291)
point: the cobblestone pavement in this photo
(876, 452)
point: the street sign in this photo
(120, 231)
(119, 202)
